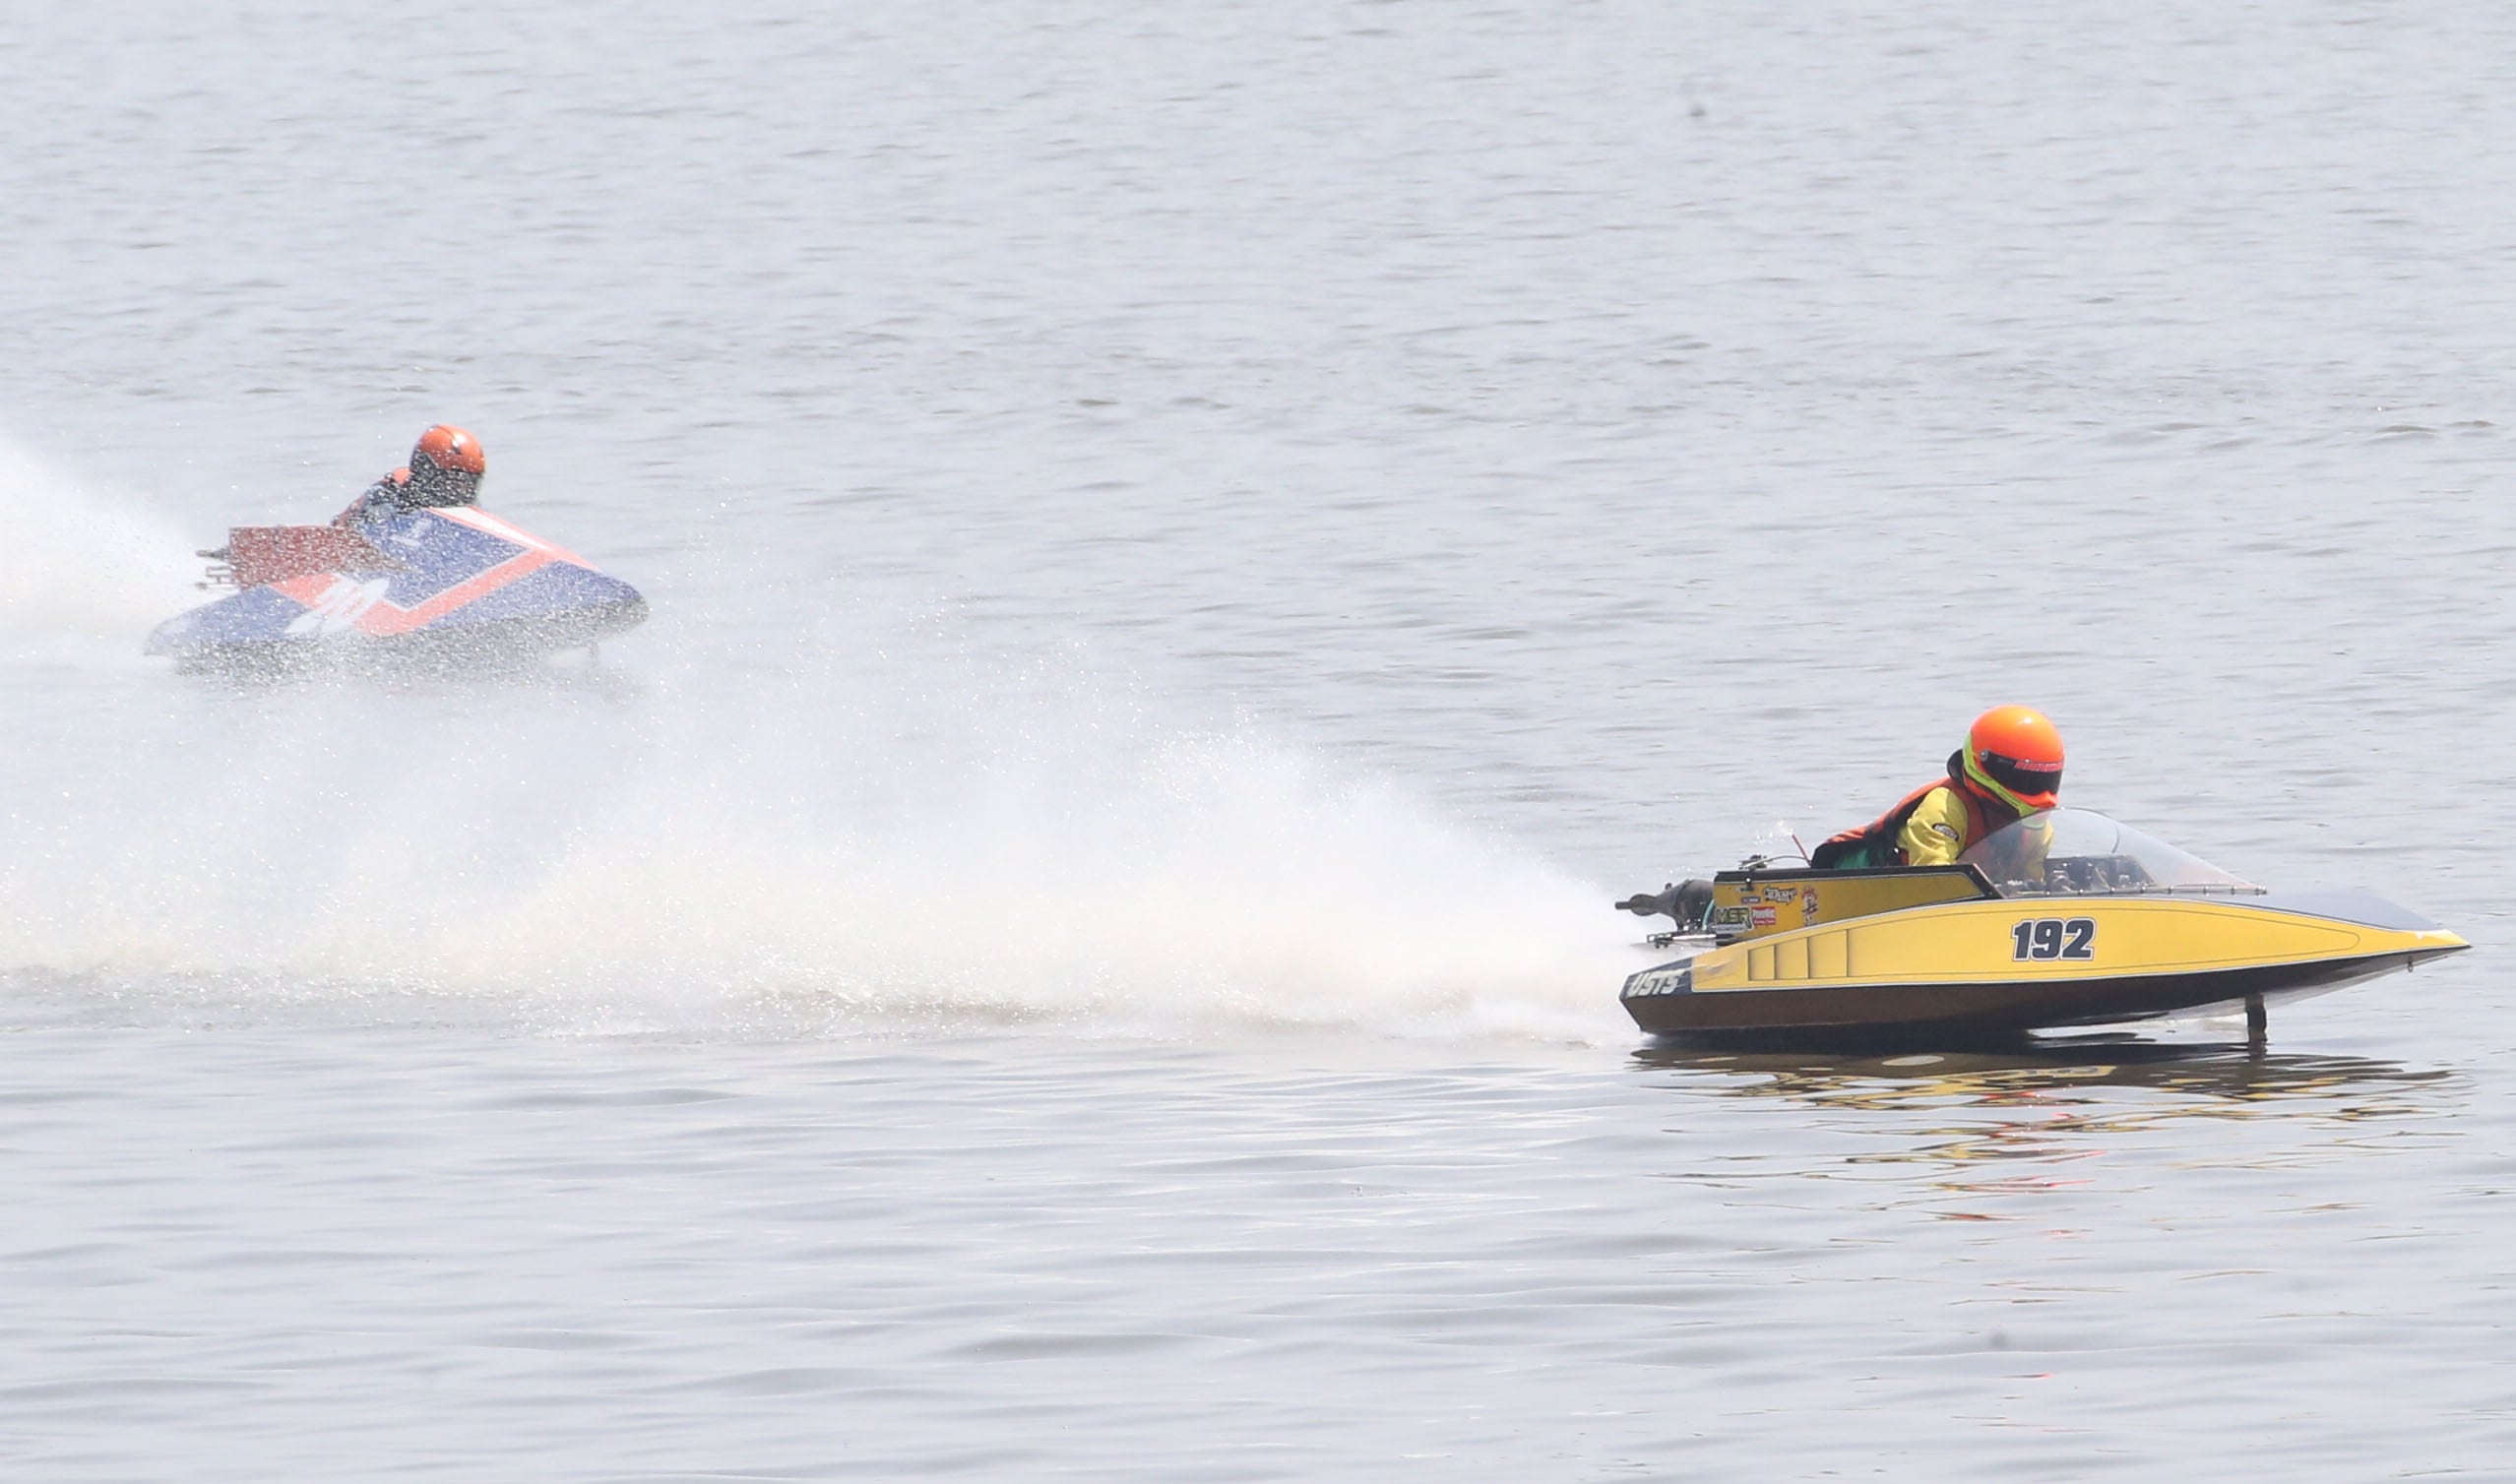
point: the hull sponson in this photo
(449, 587)
(1996, 1007)
(493, 645)
(2019, 963)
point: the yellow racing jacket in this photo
(1929, 826)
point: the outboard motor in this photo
(1686, 902)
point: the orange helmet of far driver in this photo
(450, 449)
(2016, 754)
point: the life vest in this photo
(403, 490)
(1874, 845)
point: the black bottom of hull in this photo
(1910, 1014)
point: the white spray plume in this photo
(847, 842)
(82, 573)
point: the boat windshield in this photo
(2082, 852)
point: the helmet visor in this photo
(2025, 779)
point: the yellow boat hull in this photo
(1995, 965)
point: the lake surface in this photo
(1193, 553)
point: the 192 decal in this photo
(2054, 937)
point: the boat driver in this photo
(445, 468)
(2011, 767)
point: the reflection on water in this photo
(2056, 1100)
(2041, 1068)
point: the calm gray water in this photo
(1194, 550)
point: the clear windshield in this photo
(2080, 852)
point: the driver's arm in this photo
(1935, 831)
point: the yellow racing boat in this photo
(2063, 918)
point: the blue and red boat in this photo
(450, 586)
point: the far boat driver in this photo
(446, 467)
(2011, 767)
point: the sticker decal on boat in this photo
(339, 607)
(1675, 979)
(2040, 938)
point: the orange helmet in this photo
(450, 449)
(2015, 755)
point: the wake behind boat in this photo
(435, 588)
(2061, 918)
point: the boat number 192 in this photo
(2055, 938)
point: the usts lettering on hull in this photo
(2065, 918)
(454, 587)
